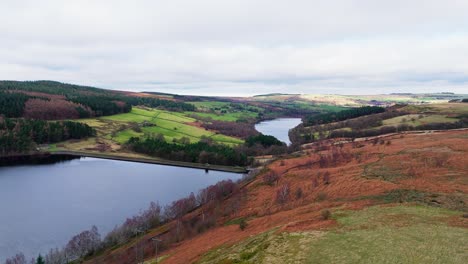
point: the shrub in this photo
(299, 193)
(321, 196)
(271, 178)
(243, 224)
(375, 141)
(441, 161)
(326, 177)
(205, 224)
(325, 214)
(412, 171)
(315, 183)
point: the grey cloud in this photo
(239, 47)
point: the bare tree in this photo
(271, 178)
(56, 256)
(17, 259)
(84, 243)
(282, 195)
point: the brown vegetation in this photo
(236, 129)
(431, 167)
(54, 109)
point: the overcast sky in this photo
(239, 47)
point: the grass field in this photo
(416, 120)
(230, 117)
(225, 111)
(172, 125)
(442, 108)
(378, 234)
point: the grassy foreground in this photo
(378, 234)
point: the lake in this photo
(43, 206)
(279, 128)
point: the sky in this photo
(239, 47)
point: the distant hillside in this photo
(361, 100)
(373, 121)
(51, 100)
(273, 94)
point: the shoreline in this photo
(134, 159)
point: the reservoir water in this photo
(279, 128)
(43, 206)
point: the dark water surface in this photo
(279, 128)
(43, 206)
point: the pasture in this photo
(146, 121)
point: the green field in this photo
(230, 117)
(235, 111)
(416, 120)
(172, 125)
(144, 121)
(225, 111)
(379, 234)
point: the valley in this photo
(320, 170)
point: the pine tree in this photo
(40, 260)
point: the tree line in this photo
(12, 104)
(306, 134)
(236, 129)
(326, 118)
(463, 123)
(200, 152)
(156, 102)
(264, 140)
(207, 151)
(367, 126)
(22, 135)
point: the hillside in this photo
(363, 100)
(111, 118)
(335, 203)
(51, 100)
(382, 121)
(348, 171)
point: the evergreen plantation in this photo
(22, 135)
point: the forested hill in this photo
(19, 136)
(51, 100)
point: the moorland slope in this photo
(367, 202)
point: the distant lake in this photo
(279, 128)
(43, 206)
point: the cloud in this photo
(239, 47)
